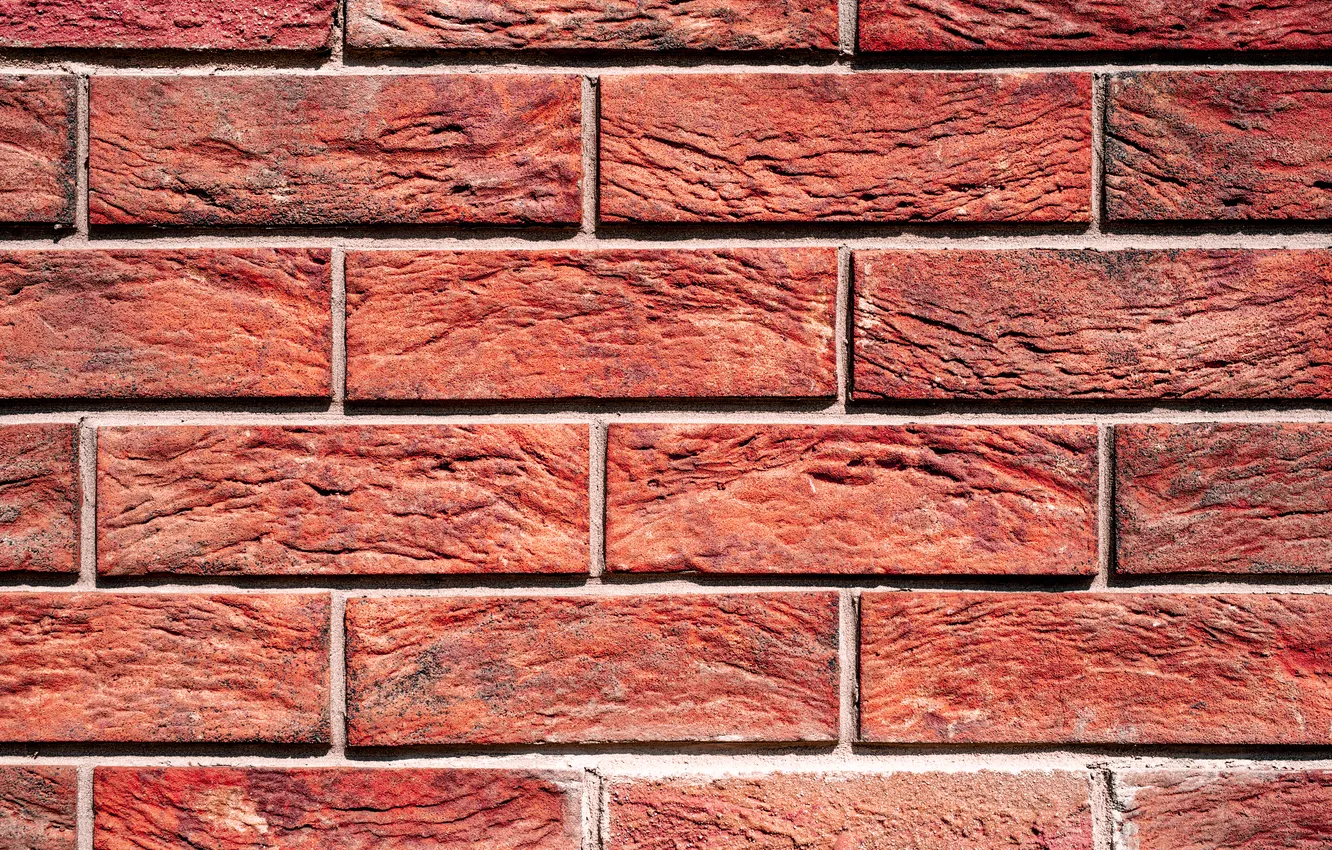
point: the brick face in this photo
(39, 498)
(37, 808)
(37, 130)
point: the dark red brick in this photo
(38, 808)
(39, 498)
(37, 135)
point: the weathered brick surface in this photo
(168, 24)
(1209, 810)
(37, 140)
(922, 811)
(831, 499)
(165, 324)
(163, 667)
(1091, 324)
(1224, 497)
(330, 500)
(491, 670)
(309, 150)
(743, 25)
(343, 808)
(1218, 145)
(832, 147)
(37, 808)
(1062, 25)
(39, 498)
(606, 324)
(1096, 668)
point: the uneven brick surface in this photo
(603, 324)
(832, 147)
(344, 808)
(922, 811)
(846, 500)
(1096, 668)
(491, 670)
(234, 323)
(38, 807)
(308, 150)
(1091, 324)
(37, 185)
(376, 499)
(39, 498)
(163, 667)
(1219, 145)
(1224, 497)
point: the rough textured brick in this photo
(168, 24)
(921, 811)
(165, 324)
(837, 147)
(1225, 498)
(37, 135)
(743, 667)
(600, 24)
(832, 499)
(610, 324)
(37, 808)
(1090, 324)
(1060, 25)
(331, 500)
(1204, 145)
(1096, 668)
(310, 150)
(39, 498)
(163, 667)
(225, 808)
(1241, 810)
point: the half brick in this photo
(39, 498)
(37, 141)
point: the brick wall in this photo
(665, 425)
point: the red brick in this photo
(601, 24)
(607, 324)
(345, 808)
(921, 811)
(514, 670)
(1240, 810)
(1061, 25)
(37, 130)
(1096, 668)
(832, 499)
(39, 498)
(163, 667)
(165, 324)
(168, 24)
(343, 500)
(1203, 145)
(38, 808)
(1090, 324)
(838, 147)
(1224, 498)
(312, 150)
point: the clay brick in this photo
(1088, 324)
(165, 324)
(742, 25)
(921, 811)
(168, 24)
(1239, 810)
(39, 499)
(513, 670)
(1207, 145)
(838, 147)
(37, 139)
(38, 808)
(1063, 25)
(345, 808)
(243, 500)
(846, 500)
(604, 324)
(1096, 668)
(330, 150)
(1224, 498)
(163, 667)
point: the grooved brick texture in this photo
(38, 808)
(39, 498)
(37, 143)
